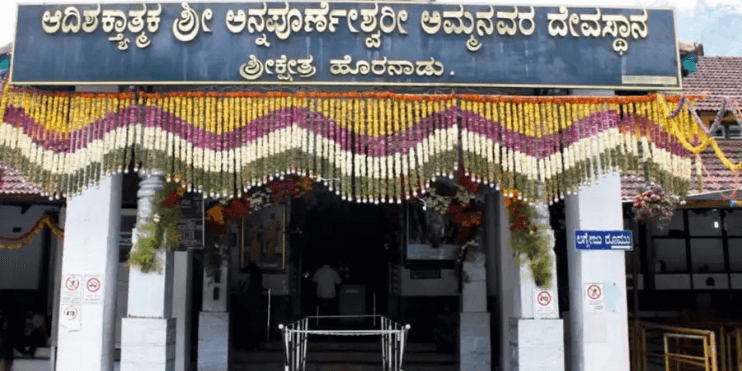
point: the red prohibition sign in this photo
(72, 283)
(70, 313)
(543, 298)
(594, 292)
(93, 285)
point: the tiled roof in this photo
(719, 178)
(718, 76)
(11, 182)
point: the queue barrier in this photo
(393, 340)
(729, 346)
(676, 348)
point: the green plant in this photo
(530, 242)
(160, 232)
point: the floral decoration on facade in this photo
(457, 201)
(655, 204)
(374, 147)
(281, 190)
(529, 241)
(161, 230)
(14, 243)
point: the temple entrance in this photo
(352, 240)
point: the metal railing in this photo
(393, 340)
(682, 348)
(734, 344)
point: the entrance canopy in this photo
(375, 147)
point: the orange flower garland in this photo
(368, 146)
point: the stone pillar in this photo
(531, 334)
(474, 332)
(182, 280)
(85, 337)
(213, 322)
(148, 331)
(599, 335)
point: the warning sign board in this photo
(71, 289)
(544, 305)
(595, 298)
(70, 317)
(93, 289)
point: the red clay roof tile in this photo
(11, 182)
(717, 76)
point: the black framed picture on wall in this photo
(264, 239)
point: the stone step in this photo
(342, 356)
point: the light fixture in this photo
(716, 224)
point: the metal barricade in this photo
(295, 345)
(727, 347)
(393, 340)
(734, 345)
(682, 348)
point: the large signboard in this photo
(346, 43)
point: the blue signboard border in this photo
(609, 247)
(361, 84)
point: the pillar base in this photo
(213, 341)
(475, 349)
(147, 344)
(536, 344)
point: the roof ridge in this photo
(720, 56)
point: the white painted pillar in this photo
(182, 279)
(599, 339)
(85, 335)
(531, 335)
(148, 332)
(475, 352)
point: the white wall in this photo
(21, 269)
(447, 285)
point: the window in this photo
(670, 255)
(704, 223)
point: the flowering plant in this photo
(529, 240)
(654, 203)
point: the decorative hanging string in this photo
(692, 129)
(704, 173)
(14, 243)
(375, 147)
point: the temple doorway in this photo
(358, 241)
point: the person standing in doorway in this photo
(326, 278)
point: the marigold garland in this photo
(368, 147)
(14, 243)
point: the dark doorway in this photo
(350, 238)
